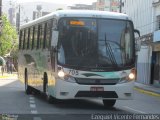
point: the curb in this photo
(148, 92)
(8, 76)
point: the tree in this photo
(8, 37)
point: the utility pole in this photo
(18, 18)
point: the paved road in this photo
(13, 100)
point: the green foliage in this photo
(1, 63)
(8, 37)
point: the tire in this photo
(109, 103)
(28, 89)
(49, 98)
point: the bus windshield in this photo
(95, 43)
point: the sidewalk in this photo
(8, 76)
(147, 89)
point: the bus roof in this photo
(78, 13)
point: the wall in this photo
(144, 65)
(141, 12)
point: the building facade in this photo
(9, 9)
(32, 10)
(81, 7)
(108, 5)
(141, 12)
(156, 44)
(146, 18)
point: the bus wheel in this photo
(27, 88)
(45, 89)
(49, 98)
(109, 103)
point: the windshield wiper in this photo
(110, 52)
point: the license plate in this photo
(97, 89)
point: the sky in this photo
(67, 2)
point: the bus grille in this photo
(86, 81)
(102, 94)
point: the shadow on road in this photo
(12, 97)
(78, 104)
(13, 92)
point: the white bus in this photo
(76, 54)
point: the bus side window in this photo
(28, 40)
(36, 36)
(44, 37)
(24, 39)
(48, 36)
(20, 39)
(41, 35)
(33, 37)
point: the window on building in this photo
(158, 23)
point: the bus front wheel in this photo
(109, 103)
(48, 97)
(45, 89)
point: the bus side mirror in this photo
(137, 31)
(137, 41)
(54, 39)
(138, 45)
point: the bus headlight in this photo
(66, 77)
(128, 77)
(131, 76)
(61, 74)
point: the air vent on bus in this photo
(87, 81)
